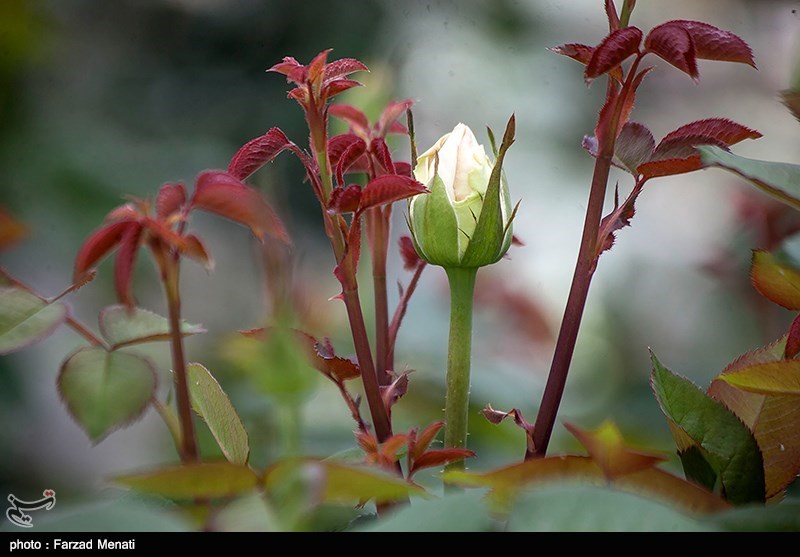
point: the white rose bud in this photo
(465, 220)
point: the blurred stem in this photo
(290, 428)
(459, 349)
(402, 307)
(171, 274)
(171, 421)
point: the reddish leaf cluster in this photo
(132, 225)
(419, 455)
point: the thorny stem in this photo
(171, 277)
(581, 280)
(380, 417)
(459, 351)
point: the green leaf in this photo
(571, 508)
(25, 319)
(697, 468)
(774, 419)
(207, 480)
(776, 279)
(214, 406)
(458, 512)
(778, 179)
(121, 326)
(249, 513)
(730, 447)
(783, 517)
(105, 390)
(343, 483)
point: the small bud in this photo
(445, 223)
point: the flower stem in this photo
(459, 348)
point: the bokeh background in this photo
(105, 99)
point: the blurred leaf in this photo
(214, 406)
(783, 517)
(105, 390)
(278, 363)
(344, 483)
(457, 512)
(170, 199)
(11, 230)
(775, 378)
(99, 244)
(791, 98)
(439, 457)
(508, 482)
(607, 448)
(778, 179)
(730, 447)
(570, 508)
(775, 280)
(25, 319)
(122, 326)
(774, 420)
(225, 195)
(192, 481)
(248, 513)
(696, 467)
(124, 514)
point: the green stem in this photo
(625, 16)
(459, 348)
(289, 420)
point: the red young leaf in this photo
(343, 67)
(339, 86)
(388, 118)
(189, 246)
(683, 146)
(299, 94)
(674, 44)
(223, 194)
(98, 245)
(388, 189)
(345, 199)
(616, 220)
(580, 52)
(627, 106)
(604, 120)
(338, 144)
(612, 51)
(379, 148)
(367, 442)
(403, 169)
(124, 263)
(670, 167)
(397, 127)
(497, 416)
(634, 146)
(424, 439)
(350, 155)
(439, 457)
(292, 69)
(129, 211)
(721, 129)
(712, 43)
(316, 68)
(257, 152)
(11, 230)
(169, 200)
(392, 446)
(793, 340)
(353, 116)
(411, 259)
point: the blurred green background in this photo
(103, 99)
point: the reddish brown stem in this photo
(378, 234)
(581, 279)
(400, 312)
(188, 451)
